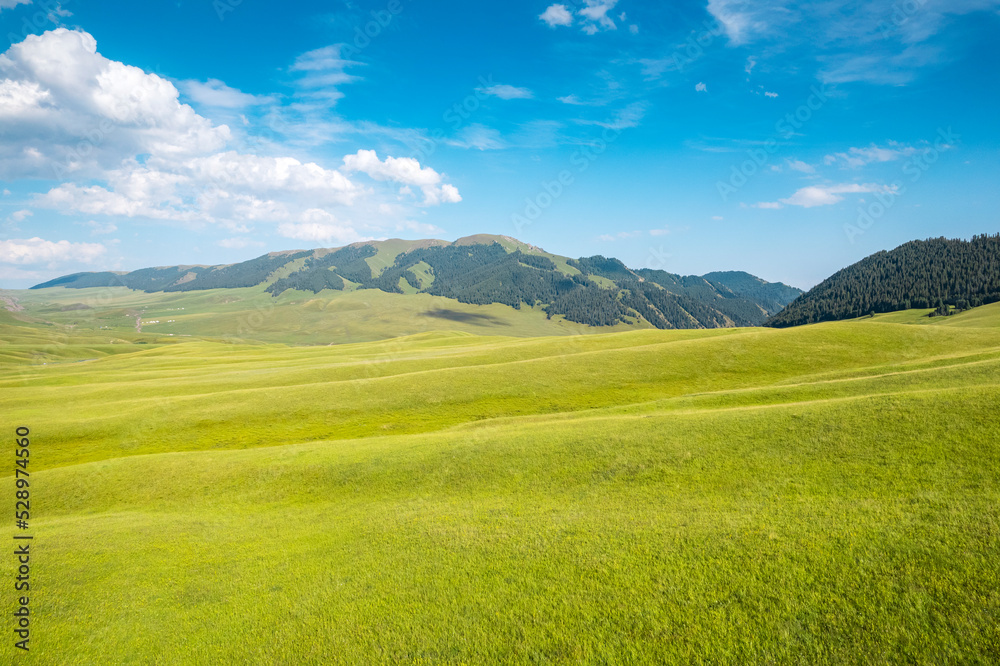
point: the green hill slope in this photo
(935, 273)
(827, 493)
(477, 270)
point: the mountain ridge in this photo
(933, 273)
(480, 270)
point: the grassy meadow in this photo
(444, 489)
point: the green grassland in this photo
(295, 317)
(491, 494)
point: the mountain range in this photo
(481, 270)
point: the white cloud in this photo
(858, 157)
(404, 170)
(323, 70)
(877, 42)
(767, 205)
(228, 188)
(479, 137)
(824, 195)
(37, 251)
(770, 94)
(256, 174)
(557, 15)
(634, 29)
(717, 217)
(239, 243)
(800, 166)
(64, 108)
(596, 11)
(659, 232)
(319, 226)
(215, 93)
(621, 235)
(8, 4)
(19, 216)
(744, 20)
(626, 118)
(102, 228)
(593, 16)
(572, 100)
(701, 87)
(123, 145)
(504, 91)
(751, 63)
(419, 227)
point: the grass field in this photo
(825, 494)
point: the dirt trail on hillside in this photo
(10, 303)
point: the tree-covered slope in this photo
(934, 273)
(483, 270)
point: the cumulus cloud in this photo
(595, 12)
(504, 91)
(319, 226)
(8, 4)
(229, 187)
(593, 16)
(66, 109)
(557, 15)
(35, 251)
(124, 145)
(405, 170)
(19, 216)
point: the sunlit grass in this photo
(813, 495)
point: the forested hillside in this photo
(598, 291)
(935, 273)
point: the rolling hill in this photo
(936, 273)
(481, 270)
(821, 494)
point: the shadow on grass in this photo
(465, 317)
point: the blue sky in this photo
(788, 139)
